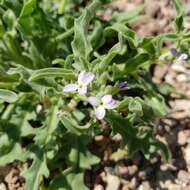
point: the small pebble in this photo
(125, 187)
(134, 183)
(132, 170)
(181, 78)
(144, 186)
(113, 182)
(122, 171)
(177, 67)
(187, 156)
(3, 186)
(142, 175)
(98, 187)
(154, 160)
(165, 167)
(183, 137)
(184, 177)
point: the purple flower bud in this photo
(59, 114)
(174, 51)
(123, 86)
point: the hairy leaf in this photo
(35, 173)
(135, 139)
(81, 44)
(8, 96)
(51, 72)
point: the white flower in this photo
(84, 79)
(183, 57)
(106, 102)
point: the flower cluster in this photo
(81, 87)
(181, 57)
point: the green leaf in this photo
(10, 19)
(134, 63)
(118, 49)
(158, 105)
(137, 138)
(179, 23)
(78, 155)
(166, 89)
(128, 16)
(78, 115)
(51, 72)
(21, 120)
(8, 96)
(10, 147)
(127, 33)
(81, 44)
(69, 181)
(149, 46)
(45, 133)
(180, 17)
(35, 173)
(28, 7)
(158, 40)
(135, 106)
(69, 125)
(124, 103)
(58, 61)
(14, 50)
(15, 153)
(9, 81)
(97, 36)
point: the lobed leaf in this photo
(35, 173)
(135, 140)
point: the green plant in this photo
(46, 45)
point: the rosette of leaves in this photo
(41, 50)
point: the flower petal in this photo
(111, 105)
(106, 99)
(85, 78)
(183, 57)
(100, 112)
(93, 100)
(82, 90)
(70, 88)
